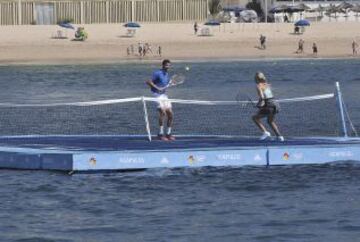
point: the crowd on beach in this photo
(143, 49)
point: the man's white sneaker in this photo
(280, 138)
(265, 135)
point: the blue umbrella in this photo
(132, 25)
(302, 22)
(66, 25)
(233, 8)
(212, 23)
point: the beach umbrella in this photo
(302, 22)
(356, 9)
(233, 9)
(332, 9)
(66, 25)
(212, 22)
(279, 9)
(132, 25)
(342, 7)
(318, 9)
(236, 9)
(294, 9)
(303, 6)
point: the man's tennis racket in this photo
(176, 79)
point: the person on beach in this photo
(354, 46)
(262, 42)
(196, 28)
(158, 84)
(159, 50)
(315, 49)
(300, 49)
(140, 49)
(268, 107)
(81, 34)
(286, 19)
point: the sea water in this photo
(286, 203)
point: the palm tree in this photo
(214, 7)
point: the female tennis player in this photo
(159, 83)
(268, 107)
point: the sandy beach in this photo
(107, 43)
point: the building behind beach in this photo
(44, 12)
(47, 12)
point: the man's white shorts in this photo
(163, 101)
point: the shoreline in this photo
(155, 61)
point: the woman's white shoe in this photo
(265, 135)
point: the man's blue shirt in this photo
(161, 79)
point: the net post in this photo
(146, 117)
(341, 109)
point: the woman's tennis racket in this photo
(239, 99)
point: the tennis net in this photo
(304, 116)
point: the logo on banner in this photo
(229, 157)
(345, 154)
(192, 159)
(257, 157)
(286, 156)
(164, 161)
(92, 161)
(132, 160)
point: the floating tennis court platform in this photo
(78, 137)
(110, 153)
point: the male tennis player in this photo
(158, 84)
(268, 107)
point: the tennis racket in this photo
(176, 79)
(239, 99)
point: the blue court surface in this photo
(113, 153)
